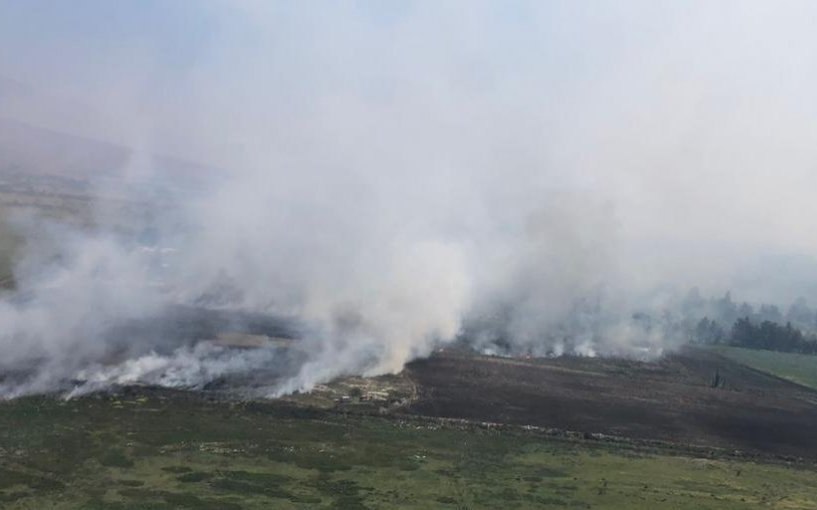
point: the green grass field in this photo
(798, 368)
(10, 243)
(161, 452)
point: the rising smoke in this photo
(527, 178)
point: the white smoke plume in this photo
(528, 175)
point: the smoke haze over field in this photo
(393, 175)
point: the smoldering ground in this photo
(526, 175)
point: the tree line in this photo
(751, 334)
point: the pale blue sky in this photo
(44, 40)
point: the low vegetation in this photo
(794, 367)
(170, 450)
(10, 243)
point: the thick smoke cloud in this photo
(528, 176)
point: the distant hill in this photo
(43, 134)
(32, 105)
(34, 150)
(31, 150)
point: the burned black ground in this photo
(692, 397)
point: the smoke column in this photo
(392, 178)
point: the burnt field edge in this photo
(402, 417)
